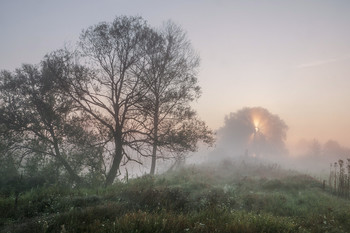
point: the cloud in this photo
(322, 62)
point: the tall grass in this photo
(227, 198)
(339, 179)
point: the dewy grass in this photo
(194, 199)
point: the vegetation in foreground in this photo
(232, 197)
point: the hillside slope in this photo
(230, 197)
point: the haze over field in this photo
(290, 57)
(175, 116)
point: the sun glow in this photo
(256, 126)
(256, 123)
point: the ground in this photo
(226, 197)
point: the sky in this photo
(290, 57)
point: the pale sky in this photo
(290, 57)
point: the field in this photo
(228, 197)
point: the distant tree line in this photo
(123, 94)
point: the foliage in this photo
(194, 199)
(38, 119)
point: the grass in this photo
(228, 198)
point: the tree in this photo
(40, 117)
(135, 84)
(254, 130)
(170, 78)
(107, 86)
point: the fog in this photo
(256, 52)
(174, 116)
(254, 134)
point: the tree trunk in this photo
(154, 158)
(155, 139)
(64, 162)
(66, 165)
(118, 155)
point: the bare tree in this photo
(107, 85)
(170, 78)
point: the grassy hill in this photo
(230, 197)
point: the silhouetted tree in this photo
(107, 87)
(170, 77)
(41, 117)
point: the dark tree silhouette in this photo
(40, 116)
(108, 88)
(170, 78)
